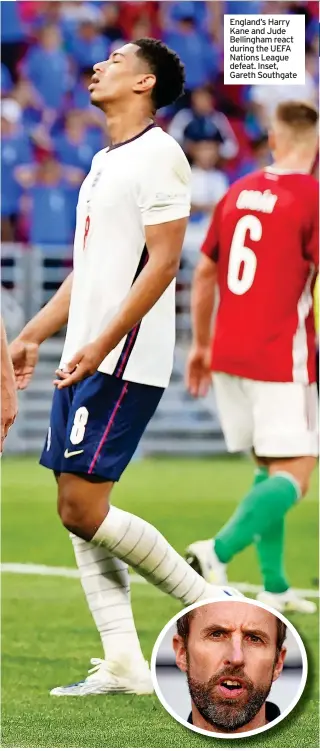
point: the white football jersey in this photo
(140, 182)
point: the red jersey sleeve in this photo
(210, 246)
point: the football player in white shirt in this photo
(119, 303)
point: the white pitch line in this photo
(41, 570)
(73, 573)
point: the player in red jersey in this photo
(262, 252)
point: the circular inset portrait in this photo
(229, 668)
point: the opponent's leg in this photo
(283, 419)
(281, 422)
(265, 504)
(201, 555)
(266, 530)
(270, 550)
(270, 546)
(261, 473)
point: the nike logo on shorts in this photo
(68, 453)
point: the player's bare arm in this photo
(9, 402)
(198, 373)
(164, 243)
(49, 320)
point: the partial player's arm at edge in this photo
(9, 403)
(204, 282)
(202, 301)
(49, 320)
(198, 371)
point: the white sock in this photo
(136, 542)
(105, 581)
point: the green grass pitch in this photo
(48, 636)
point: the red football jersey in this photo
(264, 237)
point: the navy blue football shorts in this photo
(96, 425)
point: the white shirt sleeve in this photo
(165, 185)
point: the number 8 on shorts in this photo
(79, 425)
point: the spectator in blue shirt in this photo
(31, 105)
(13, 36)
(15, 150)
(200, 56)
(87, 46)
(76, 145)
(51, 194)
(236, 7)
(47, 66)
(12, 29)
(196, 10)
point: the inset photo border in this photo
(171, 686)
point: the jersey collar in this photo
(124, 143)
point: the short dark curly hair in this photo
(165, 64)
(183, 628)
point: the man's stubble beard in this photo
(225, 714)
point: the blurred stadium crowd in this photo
(50, 131)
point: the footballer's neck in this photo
(124, 123)
(297, 160)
